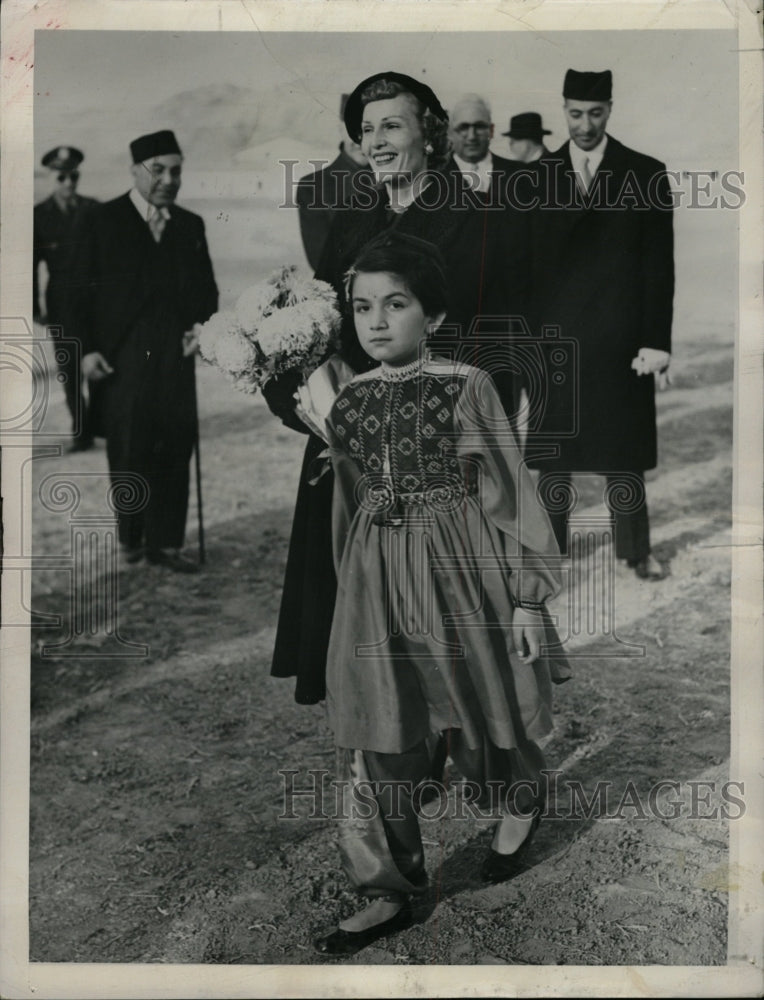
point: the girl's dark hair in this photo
(418, 263)
(434, 131)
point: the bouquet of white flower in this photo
(287, 322)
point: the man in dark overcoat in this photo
(56, 220)
(492, 183)
(323, 193)
(143, 281)
(471, 130)
(603, 274)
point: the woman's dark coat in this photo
(486, 254)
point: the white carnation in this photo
(234, 354)
(301, 286)
(254, 303)
(287, 322)
(279, 333)
(214, 332)
(298, 336)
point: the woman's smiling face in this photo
(392, 139)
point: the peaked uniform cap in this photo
(63, 158)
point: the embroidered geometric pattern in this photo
(396, 428)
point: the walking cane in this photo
(198, 467)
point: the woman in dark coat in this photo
(402, 129)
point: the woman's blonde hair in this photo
(434, 131)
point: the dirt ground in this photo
(156, 791)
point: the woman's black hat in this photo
(353, 113)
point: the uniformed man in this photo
(57, 220)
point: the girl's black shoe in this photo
(341, 942)
(502, 867)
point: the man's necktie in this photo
(156, 224)
(586, 174)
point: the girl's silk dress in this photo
(437, 533)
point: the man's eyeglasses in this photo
(68, 175)
(464, 128)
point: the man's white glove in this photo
(95, 367)
(191, 340)
(650, 361)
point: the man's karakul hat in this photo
(63, 158)
(588, 86)
(353, 113)
(156, 144)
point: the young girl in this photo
(444, 560)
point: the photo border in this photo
(742, 976)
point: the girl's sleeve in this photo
(487, 448)
(344, 502)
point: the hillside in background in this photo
(214, 123)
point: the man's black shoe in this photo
(648, 568)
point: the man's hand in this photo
(528, 625)
(191, 340)
(95, 367)
(651, 361)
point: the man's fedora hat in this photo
(528, 125)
